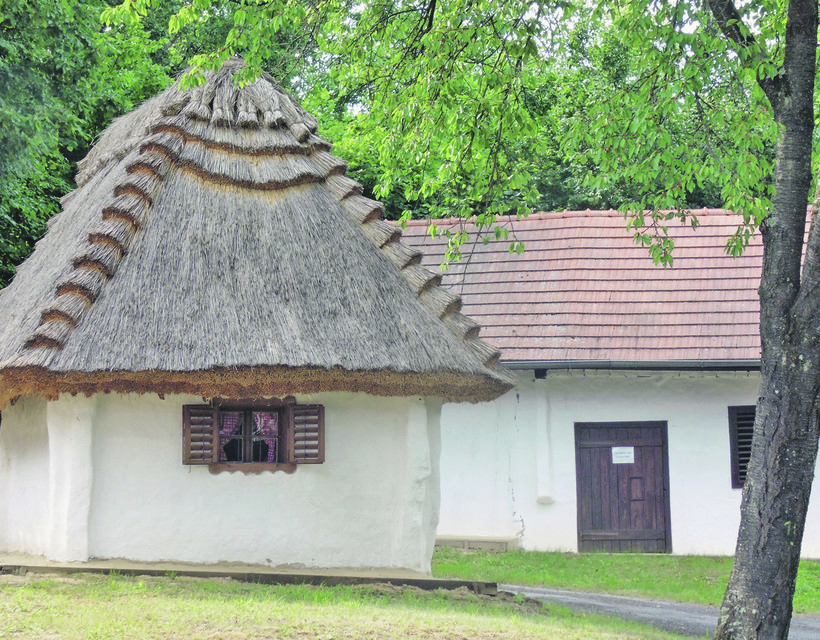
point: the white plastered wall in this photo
(121, 490)
(508, 467)
(24, 477)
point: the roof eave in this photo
(640, 365)
(253, 382)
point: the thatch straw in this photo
(215, 247)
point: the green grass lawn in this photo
(700, 579)
(95, 607)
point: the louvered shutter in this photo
(308, 433)
(198, 433)
(741, 428)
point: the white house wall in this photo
(70, 476)
(372, 503)
(24, 485)
(508, 467)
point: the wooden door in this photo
(622, 486)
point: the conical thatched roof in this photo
(214, 246)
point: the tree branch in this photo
(731, 26)
(729, 21)
(431, 14)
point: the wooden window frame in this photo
(739, 458)
(301, 434)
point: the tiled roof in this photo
(583, 292)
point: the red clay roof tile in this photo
(583, 291)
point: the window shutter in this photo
(741, 428)
(198, 433)
(308, 432)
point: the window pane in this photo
(266, 424)
(230, 448)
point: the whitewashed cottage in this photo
(221, 352)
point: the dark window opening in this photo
(741, 428)
(249, 436)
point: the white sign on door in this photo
(623, 455)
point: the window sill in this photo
(252, 467)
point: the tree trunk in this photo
(758, 601)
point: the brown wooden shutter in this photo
(308, 433)
(198, 434)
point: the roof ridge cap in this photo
(105, 247)
(263, 103)
(564, 213)
(424, 282)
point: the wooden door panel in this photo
(622, 506)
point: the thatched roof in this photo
(214, 246)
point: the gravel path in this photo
(694, 620)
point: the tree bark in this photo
(758, 600)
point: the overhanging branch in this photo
(731, 26)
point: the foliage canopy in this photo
(62, 79)
(442, 109)
(482, 108)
